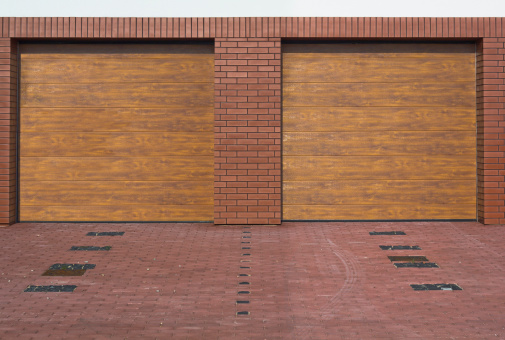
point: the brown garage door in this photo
(379, 131)
(116, 133)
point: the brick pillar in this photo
(491, 130)
(247, 131)
(8, 113)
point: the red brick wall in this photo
(8, 113)
(248, 95)
(247, 131)
(491, 130)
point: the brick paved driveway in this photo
(306, 281)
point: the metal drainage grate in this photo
(400, 247)
(246, 254)
(244, 292)
(243, 275)
(245, 267)
(244, 283)
(437, 286)
(242, 301)
(246, 232)
(246, 236)
(106, 233)
(408, 258)
(416, 265)
(243, 313)
(64, 288)
(245, 248)
(91, 248)
(387, 233)
(66, 269)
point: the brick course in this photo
(248, 96)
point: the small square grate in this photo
(437, 286)
(106, 233)
(51, 289)
(400, 247)
(387, 233)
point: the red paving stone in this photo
(308, 281)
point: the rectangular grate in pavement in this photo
(246, 232)
(387, 233)
(106, 233)
(244, 248)
(400, 247)
(51, 289)
(437, 286)
(243, 275)
(244, 283)
(242, 301)
(408, 258)
(246, 254)
(245, 267)
(66, 269)
(246, 242)
(72, 266)
(243, 313)
(91, 248)
(246, 236)
(244, 292)
(416, 265)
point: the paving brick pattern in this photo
(308, 281)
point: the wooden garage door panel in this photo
(107, 144)
(118, 119)
(115, 192)
(458, 94)
(117, 95)
(111, 134)
(414, 192)
(321, 119)
(117, 213)
(162, 168)
(324, 168)
(379, 143)
(178, 68)
(325, 67)
(380, 212)
(379, 131)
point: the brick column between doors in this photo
(247, 143)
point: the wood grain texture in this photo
(120, 213)
(116, 133)
(162, 168)
(381, 212)
(178, 68)
(117, 95)
(379, 143)
(438, 167)
(115, 192)
(195, 119)
(364, 191)
(116, 144)
(461, 94)
(357, 69)
(326, 119)
(379, 131)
